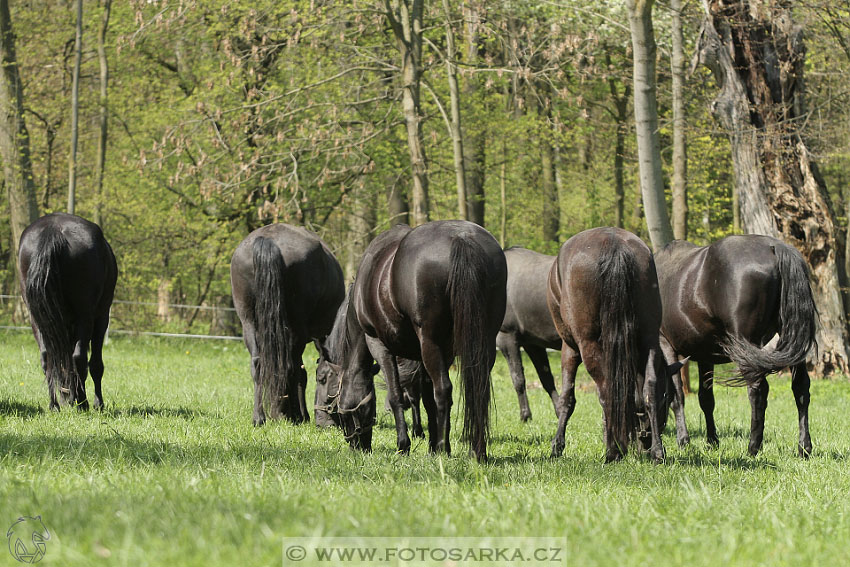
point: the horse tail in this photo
(45, 298)
(467, 282)
(273, 336)
(619, 336)
(797, 315)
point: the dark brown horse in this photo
(723, 303)
(428, 294)
(527, 323)
(287, 287)
(604, 300)
(68, 275)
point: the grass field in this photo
(173, 473)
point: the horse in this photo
(527, 323)
(724, 302)
(287, 286)
(426, 293)
(411, 375)
(68, 274)
(604, 301)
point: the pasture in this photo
(173, 473)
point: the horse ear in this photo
(676, 366)
(375, 368)
(335, 367)
(321, 348)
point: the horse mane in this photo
(335, 343)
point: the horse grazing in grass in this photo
(68, 275)
(604, 300)
(287, 287)
(528, 323)
(723, 303)
(428, 294)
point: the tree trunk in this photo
(456, 132)
(75, 109)
(475, 142)
(405, 18)
(14, 137)
(551, 204)
(680, 156)
(361, 227)
(104, 117)
(646, 123)
(397, 206)
(621, 105)
(756, 54)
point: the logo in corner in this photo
(27, 539)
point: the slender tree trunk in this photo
(104, 116)
(454, 95)
(680, 156)
(397, 205)
(503, 214)
(551, 203)
(646, 123)
(361, 227)
(475, 137)
(14, 137)
(756, 54)
(405, 17)
(75, 109)
(621, 106)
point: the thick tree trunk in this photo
(756, 54)
(456, 132)
(405, 17)
(646, 123)
(14, 137)
(475, 141)
(75, 109)
(680, 156)
(104, 116)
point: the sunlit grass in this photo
(173, 473)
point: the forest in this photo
(181, 126)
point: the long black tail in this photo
(619, 337)
(45, 298)
(797, 315)
(467, 282)
(273, 336)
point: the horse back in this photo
(527, 312)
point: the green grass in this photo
(173, 473)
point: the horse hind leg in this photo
(570, 360)
(437, 368)
(389, 366)
(259, 416)
(677, 404)
(757, 393)
(540, 360)
(706, 402)
(509, 346)
(800, 387)
(80, 365)
(96, 359)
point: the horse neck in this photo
(353, 350)
(335, 341)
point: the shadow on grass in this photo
(153, 411)
(19, 409)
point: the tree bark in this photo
(551, 203)
(75, 109)
(14, 137)
(646, 123)
(680, 156)
(621, 115)
(405, 18)
(756, 55)
(361, 227)
(103, 110)
(475, 141)
(456, 132)
(397, 206)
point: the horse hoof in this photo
(525, 417)
(259, 421)
(804, 452)
(753, 450)
(713, 442)
(419, 434)
(557, 449)
(658, 455)
(684, 441)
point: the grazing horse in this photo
(604, 300)
(411, 374)
(428, 294)
(68, 275)
(528, 323)
(287, 287)
(723, 303)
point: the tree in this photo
(756, 53)
(680, 156)
(75, 109)
(103, 117)
(454, 124)
(14, 136)
(475, 145)
(646, 122)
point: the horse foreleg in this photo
(540, 360)
(414, 395)
(96, 358)
(431, 411)
(389, 366)
(757, 392)
(81, 364)
(800, 387)
(297, 410)
(437, 368)
(706, 402)
(508, 345)
(678, 401)
(570, 360)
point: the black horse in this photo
(411, 374)
(428, 294)
(604, 300)
(68, 275)
(287, 287)
(723, 303)
(528, 323)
